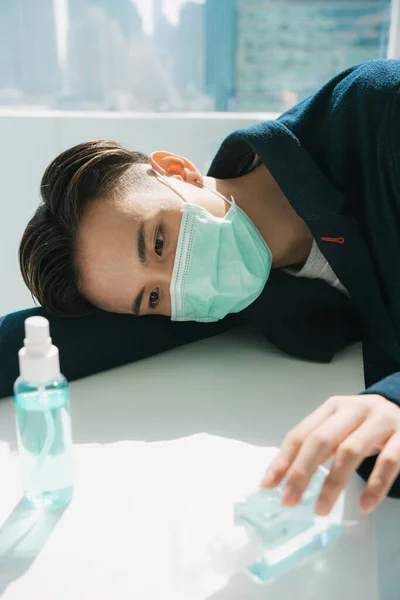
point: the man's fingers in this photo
(387, 468)
(293, 442)
(318, 447)
(349, 455)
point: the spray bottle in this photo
(43, 420)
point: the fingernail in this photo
(323, 506)
(269, 478)
(291, 495)
(368, 503)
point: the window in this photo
(181, 55)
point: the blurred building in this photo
(97, 55)
(124, 12)
(99, 37)
(221, 45)
(287, 49)
(28, 49)
(244, 55)
(190, 54)
(181, 49)
(166, 43)
(151, 84)
(164, 33)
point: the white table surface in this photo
(240, 387)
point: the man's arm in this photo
(356, 115)
(98, 341)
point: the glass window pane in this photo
(181, 55)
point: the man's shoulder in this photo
(379, 76)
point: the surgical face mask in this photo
(221, 264)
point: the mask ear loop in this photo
(164, 181)
(230, 201)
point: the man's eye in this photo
(159, 243)
(153, 299)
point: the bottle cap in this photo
(39, 359)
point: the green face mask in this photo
(221, 264)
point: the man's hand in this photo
(349, 428)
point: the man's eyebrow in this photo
(141, 243)
(137, 303)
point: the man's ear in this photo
(168, 163)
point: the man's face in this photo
(126, 245)
(126, 249)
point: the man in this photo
(295, 229)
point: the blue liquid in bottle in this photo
(43, 421)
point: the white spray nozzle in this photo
(37, 335)
(38, 359)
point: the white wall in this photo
(26, 146)
(29, 141)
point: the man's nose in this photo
(162, 269)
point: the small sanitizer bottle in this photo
(43, 420)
